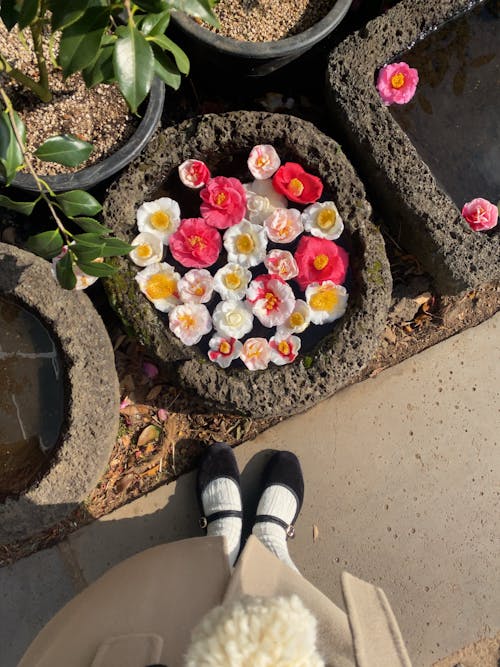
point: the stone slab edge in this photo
(422, 217)
(91, 390)
(278, 391)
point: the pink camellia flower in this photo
(396, 83)
(196, 286)
(150, 370)
(284, 350)
(190, 322)
(283, 225)
(256, 354)
(263, 161)
(195, 243)
(194, 173)
(282, 263)
(224, 350)
(271, 298)
(480, 214)
(224, 202)
(319, 260)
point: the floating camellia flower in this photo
(298, 320)
(271, 298)
(190, 322)
(232, 319)
(224, 202)
(231, 281)
(224, 350)
(263, 161)
(148, 249)
(160, 217)
(262, 200)
(245, 244)
(296, 184)
(83, 280)
(318, 260)
(284, 350)
(256, 354)
(159, 283)
(323, 220)
(195, 243)
(284, 225)
(196, 286)
(282, 263)
(397, 83)
(194, 174)
(480, 214)
(327, 301)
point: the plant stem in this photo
(24, 80)
(36, 33)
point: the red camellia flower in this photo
(195, 244)
(296, 184)
(318, 260)
(224, 202)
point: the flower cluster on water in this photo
(274, 266)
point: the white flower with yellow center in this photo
(190, 322)
(284, 349)
(148, 249)
(223, 350)
(160, 217)
(232, 319)
(159, 283)
(231, 281)
(262, 200)
(256, 354)
(327, 301)
(196, 286)
(245, 244)
(323, 220)
(297, 321)
(284, 225)
(282, 263)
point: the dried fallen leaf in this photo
(124, 483)
(152, 471)
(149, 434)
(154, 392)
(315, 532)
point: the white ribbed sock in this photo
(280, 502)
(223, 494)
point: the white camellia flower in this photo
(190, 322)
(282, 263)
(298, 321)
(263, 161)
(256, 354)
(231, 281)
(245, 244)
(232, 319)
(323, 220)
(159, 283)
(262, 200)
(327, 301)
(148, 249)
(224, 351)
(83, 280)
(284, 225)
(284, 349)
(160, 217)
(271, 298)
(196, 286)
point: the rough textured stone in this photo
(420, 214)
(92, 395)
(337, 360)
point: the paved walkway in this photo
(400, 490)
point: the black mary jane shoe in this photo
(283, 469)
(217, 461)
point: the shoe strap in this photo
(288, 527)
(223, 514)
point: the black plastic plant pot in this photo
(255, 58)
(89, 177)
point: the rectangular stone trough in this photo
(416, 206)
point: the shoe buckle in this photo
(202, 522)
(290, 531)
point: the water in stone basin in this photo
(454, 119)
(31, 398)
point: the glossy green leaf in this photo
(97, 269)
(181, 59)
(155, 24)
(28, 13)
(166, 69)
(81, 40)
(66, 13)
(64, 272)
(11, 155)
(134, 65)
(46, 244)
(153, 6)
(89, 244)
(92, 226)
(9, 13)
(199, 8)
(24, 207)
(78, 202)
(64, 149)
(100, 70)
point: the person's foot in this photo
(279, 505)
(219, 496)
